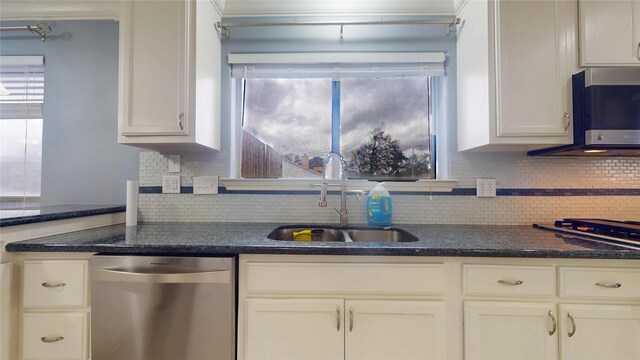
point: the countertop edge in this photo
(380, 251)
(70, 214)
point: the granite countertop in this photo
(251, 238)
(10, 217)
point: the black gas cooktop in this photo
(625, 234)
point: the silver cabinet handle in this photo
(573, 325)
(510, 282)
(49, 340)
(609, 285)
(180, 118)
(338, 317)
(53, 285)
(567, 121)
(350, 319)
(553, 321)
(638, 51)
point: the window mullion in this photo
(335, 116)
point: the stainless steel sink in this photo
(347, 234)
(322, 233)
(380, 235)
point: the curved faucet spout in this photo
(335, 167)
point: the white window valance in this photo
(337, 65)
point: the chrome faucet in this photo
(330, 167)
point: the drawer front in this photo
(53, 283)
(339, 278)
(509, 280)
(54, 336)
(609, 283)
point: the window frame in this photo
(237, 183)
(30, 105)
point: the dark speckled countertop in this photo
(251, 238)
(11, 217)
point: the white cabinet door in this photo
(5, 309)
(609, 33)
(294, 329)
(54, 336)
(514, 62)
(395, 329)
(54, 283)
(600, 332)
(508, 330)
(531, 47)
(154, 55)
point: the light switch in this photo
(174, 163)
(205, 185)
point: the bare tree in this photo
(381, 156)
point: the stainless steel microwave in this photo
(606, 113)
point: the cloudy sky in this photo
(294, 115)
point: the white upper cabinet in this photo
(610, 33)
(169, 75)
(515, 61)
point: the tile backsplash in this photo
(512, 171)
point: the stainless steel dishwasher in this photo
(145, 307)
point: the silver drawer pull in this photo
(567, 121)
(609, 285)
(338, 317)
(509, 282)
(350, 319)
(553, 321)
(573, 325)
(49, 340)
(53, 285)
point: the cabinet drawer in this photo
(55, 283)
(54, 336)
(600, 283)
(332, 278)
(509, 280)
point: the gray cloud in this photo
(294, 115)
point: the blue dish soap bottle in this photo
(379, 206)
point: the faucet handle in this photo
(359, 193)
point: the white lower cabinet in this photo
(54, 335)
(295, 329)
(344, 329)
(394, 329)
(510, 330)
(614, 328)
(55, 309)
(329, 308)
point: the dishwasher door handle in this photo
(206, 277)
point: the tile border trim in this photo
(456, 192)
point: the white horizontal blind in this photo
(23, 77)
(336, 65)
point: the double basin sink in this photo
(342, 234)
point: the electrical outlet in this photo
(174, 163)
(205, 185)
(171, 184)
(486, 187)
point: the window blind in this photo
(337, 65)
(23, 77)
